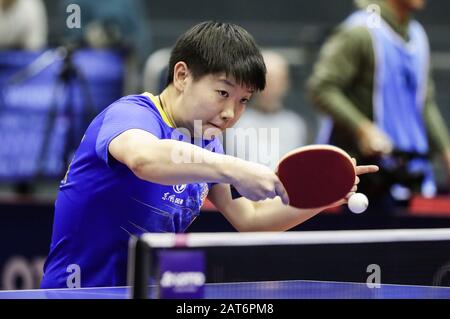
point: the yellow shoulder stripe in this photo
(163, 114)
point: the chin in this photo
(212, 132)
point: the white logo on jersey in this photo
(179, 188)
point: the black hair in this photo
(214, 48)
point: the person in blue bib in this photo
(147, 163)
(373, 82)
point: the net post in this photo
(138, 267)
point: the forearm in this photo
(171, 162)
(272, 215)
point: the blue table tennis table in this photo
(294, 289)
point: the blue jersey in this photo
(101, 203)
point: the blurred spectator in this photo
(278, 130)
(115, 24)
(155, 71)
(23, 24)
(373, 81)
(109, 23)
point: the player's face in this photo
(413, 5)
(215, 100)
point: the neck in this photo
(167, 101)
(400, 10)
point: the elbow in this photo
(319, 96)
(244, 228)
(252, 228)
(151, 169)
(313, 88)
(142, 166)
(243, 225)
(249, 226)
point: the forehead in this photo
(227, 81)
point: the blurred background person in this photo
(373, 81)
(114, 24)
(23, 24)
(278, 129)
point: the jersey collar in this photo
(161, 111)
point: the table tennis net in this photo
(405, 257)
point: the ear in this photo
(180, 75)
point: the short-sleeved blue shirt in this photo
(101, 202)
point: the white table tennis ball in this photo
(358, 203)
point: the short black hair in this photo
(216, 47)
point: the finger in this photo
(354, 161)
(272, 193)
(354, 189)
(357, 180)
(349, 195)
(365, 169)
(281, 191)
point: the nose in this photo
(227, 113)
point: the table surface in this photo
(293, 289)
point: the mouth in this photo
(216, 126)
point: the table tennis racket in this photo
(314, 176)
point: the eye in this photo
(222, 93)
(245, 101)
